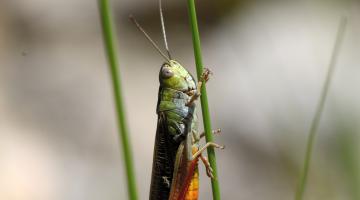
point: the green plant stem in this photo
(203, 97)
(111, 50)
(319, 110)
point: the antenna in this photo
(148, 37)
(163, 29)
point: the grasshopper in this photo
(175, 173)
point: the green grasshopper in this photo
(177, 150)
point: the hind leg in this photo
(207, 145)
(209, 170)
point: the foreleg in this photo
(204, 78)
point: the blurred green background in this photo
(58, 137)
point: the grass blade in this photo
(319, 110)
(111, 51)
(203, 97)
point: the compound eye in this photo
(166, 72)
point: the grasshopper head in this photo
(174, 76)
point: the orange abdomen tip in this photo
(193, 190)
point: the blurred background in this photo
(58, 135)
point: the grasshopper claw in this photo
(206, 74)
(209, 172)
(217, 131)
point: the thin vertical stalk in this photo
(319, 110)
(203, 97)
(111, 51)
